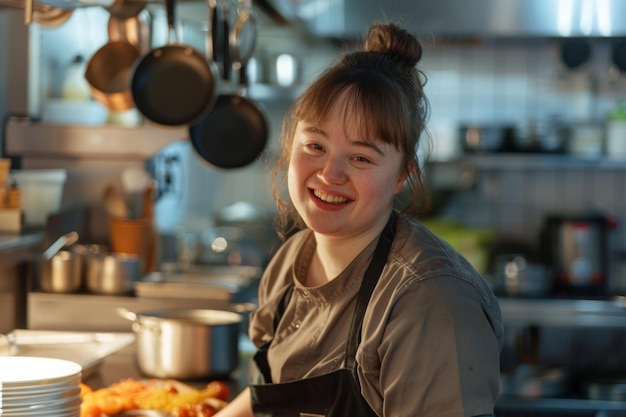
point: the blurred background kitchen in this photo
(528, 168)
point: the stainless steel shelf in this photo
(564, 312)
(519, 161)
(101, 141)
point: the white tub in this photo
(42, 193)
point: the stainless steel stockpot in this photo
(112, 273)
(186, 343)
(62, 273)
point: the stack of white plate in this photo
(32, 386)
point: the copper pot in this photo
(108, 74)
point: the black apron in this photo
(337, 393)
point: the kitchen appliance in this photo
(475, 138)
(576, 248)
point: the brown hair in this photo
(384, 86)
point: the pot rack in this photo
(46, 5)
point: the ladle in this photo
(58, 244)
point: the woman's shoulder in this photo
(277, 273)
(421, 258)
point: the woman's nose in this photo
(333, 171)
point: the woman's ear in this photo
(411, 170)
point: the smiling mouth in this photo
(327, 198)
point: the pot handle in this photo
(243, 307)
(127, 314)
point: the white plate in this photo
(40, 396)
(61, 405)
(39, 413)
(41, 387)
(29, 371)
(26, 400)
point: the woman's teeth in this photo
(334, 199)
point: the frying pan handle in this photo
(214, 41)
(226, 49)
(243, 79)
(242, 308)
(28, 11)
(170, 8)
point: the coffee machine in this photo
(576, 248)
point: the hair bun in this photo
(389, 38)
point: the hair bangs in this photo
(361, 97)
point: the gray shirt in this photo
(431, 335)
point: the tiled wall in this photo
(504, 81)
(516, 82)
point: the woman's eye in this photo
(316, 146)
(362, 159)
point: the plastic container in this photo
(41, 193)
(616, 133)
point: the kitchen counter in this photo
(9, 241)
(122, 365)
(16, 251)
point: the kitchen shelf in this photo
(270, 93)
(102, 141)
(565, 312)
(519, 161)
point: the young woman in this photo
(364, 312)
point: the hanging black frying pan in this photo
(174, 84)
(234, 133)
(618, 54)
(575, 52)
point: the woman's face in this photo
(342, 184)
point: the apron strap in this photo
(370, 279)
(260, 357)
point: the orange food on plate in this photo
(84, 389)
(218, 389)
(179, 399)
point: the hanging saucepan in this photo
(125, 9)
(234, 133)
(134, 30)
(243, 37)
(174, 84)
(51, 17)
(42, 14)
(108, 74)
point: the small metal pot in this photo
(113, 273)
(62, 273)
(186, 343)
